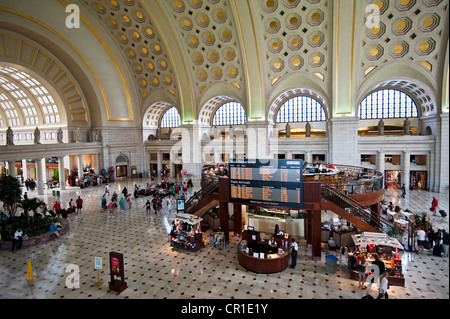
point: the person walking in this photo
(434, 206)
(384, 286)
(128, 200)
(294, 252)
(106, 189)
(148, 207)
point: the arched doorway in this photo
(122, 164)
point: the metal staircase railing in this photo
(358, 210)
(211, 187)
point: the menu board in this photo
(274, 182)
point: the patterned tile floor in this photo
(154, 270)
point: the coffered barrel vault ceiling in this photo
(192, 53)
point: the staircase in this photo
(206, 198)
(360, 216)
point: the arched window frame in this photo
(387, 104)
(301, 108)
(230, 113)
(170, 118)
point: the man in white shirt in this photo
(18, 238)
(106, 189)
(421, 238)
(294, 250)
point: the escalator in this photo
(358, 215)
(203, 200)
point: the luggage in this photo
(443, 213)
(437, 250)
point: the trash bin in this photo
(331, 264)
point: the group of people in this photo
(427, 238)
(30, 184)
(360, 264)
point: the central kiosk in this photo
(272, 183)
(263, 256)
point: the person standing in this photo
(122, 204)
(445, 242)
(79, 203)
(384, 286)
(421, 238)
(57, 208)
(128, 200)
(71, 206)
(294, 252)
(17, 239)
(104, 203)
(403, 190)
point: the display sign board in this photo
(98, 263)
(180, 205)
(116, 268)
(274, 182)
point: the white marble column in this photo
(39, 179)
(24, 170)
(80, 166)
(380, 161)
(158, 164)
(12, 169)
(62, 175)
(406, 168)
(308, 157)
(44, 171)
(97, 163)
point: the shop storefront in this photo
(185, 232)
(291, 221)
(393, 179)
(387, 248)
(418, 180)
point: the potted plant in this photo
(10, 193)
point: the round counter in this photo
(264, 265)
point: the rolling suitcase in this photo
(437, 250)
(443, 213)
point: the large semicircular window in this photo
(387, 104)
(301, 109)
(171, 118)
(24, 100)
(231, 113)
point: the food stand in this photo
(186, 232)
(256, 255)
(368, 244)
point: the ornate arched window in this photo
(387, 104)
(171, 118)
(231, 113)
(301, 109)
(21, 92)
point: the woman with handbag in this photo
(361, 269)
